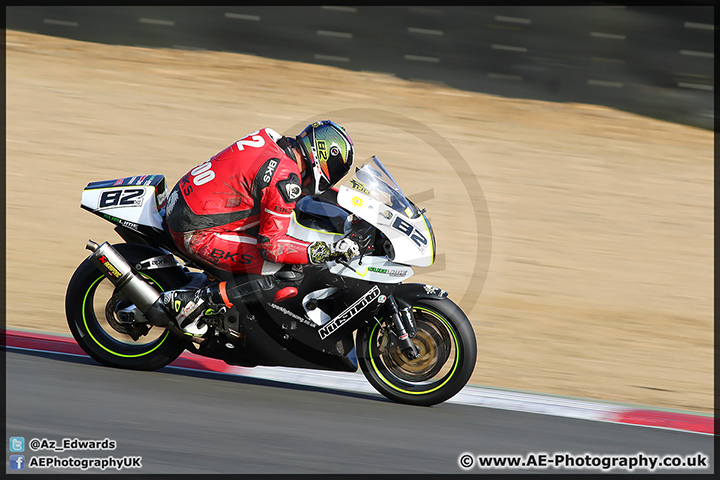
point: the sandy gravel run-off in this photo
(600, 272)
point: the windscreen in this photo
(373, 179)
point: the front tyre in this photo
(92, 307)
(448, 352)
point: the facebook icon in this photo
(17, 462)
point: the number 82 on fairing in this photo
(402, 226)
(127, 197)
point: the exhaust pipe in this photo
(121, 274)
(126, 279)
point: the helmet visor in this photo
(332, 160)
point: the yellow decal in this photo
(114, 271)
(322, 150)
(359, 186)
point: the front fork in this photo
(403, 329)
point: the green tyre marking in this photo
(87, 329)
(457, 358)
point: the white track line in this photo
(154, 21)
(242, 16)
(501, 18)
(63, 23)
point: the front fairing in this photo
(373, 195)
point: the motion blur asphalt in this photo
(189, 422)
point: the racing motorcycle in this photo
(412, 343)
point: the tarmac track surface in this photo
(189, 422)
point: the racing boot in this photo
(187, 306)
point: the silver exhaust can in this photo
(122, 275)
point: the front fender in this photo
(405, 294)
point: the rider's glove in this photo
(343, 250)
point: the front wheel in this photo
(93, 308)
(448, 352)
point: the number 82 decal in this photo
(126, 197)
(402, 226)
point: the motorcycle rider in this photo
(233, 211)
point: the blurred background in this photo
(573, 123)
(653, 61)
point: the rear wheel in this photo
(97, 314)
(446, 342)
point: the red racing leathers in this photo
(233, 210)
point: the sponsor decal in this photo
(245, 258)
(110, 218)
(267, 176)
(112, 269)
(186, 185)
(356, 201)
(283, 210)
(160, 197)
(292, 315)
(124, 223)
(358, 185)
(189, 308)
(290, 189)
(397, 273)
(171, 202)
(350, 312)
(293, 190)
(387, 214)
(130, 225)
(391, 272)
(430, 290)
(165, 261)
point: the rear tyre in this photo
(448, 352)
(93, 310)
